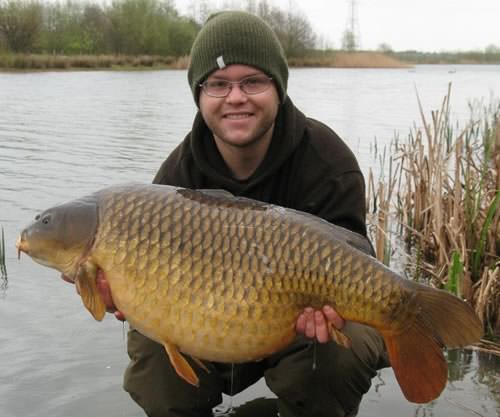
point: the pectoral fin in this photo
(86, 285)
(338, 337)
(180, 364)
(200, 364)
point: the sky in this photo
(423, 25)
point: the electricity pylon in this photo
(351, 40)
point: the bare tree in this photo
(492, 49)
(292, 28)
(20, 24)
(251, 6)
(264, 10)
(97, 29)
(348, 41)
(299, 35)
(200, 10)
(384, 47)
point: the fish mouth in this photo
(22, 245)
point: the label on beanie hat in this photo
(220, 62)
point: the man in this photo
(248, 138)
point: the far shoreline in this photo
(314, 59)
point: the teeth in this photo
(237, 116)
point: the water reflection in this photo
(3, 267)
(4, 282)
(473, 389)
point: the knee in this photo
(153, 384)
(348, 372)
(327, 377)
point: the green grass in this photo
(479, 250)
(455, 273)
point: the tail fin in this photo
(442, 320)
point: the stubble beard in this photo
(253, 137)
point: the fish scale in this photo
(224, 279)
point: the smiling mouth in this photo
(238, 116)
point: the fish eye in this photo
(46, 219)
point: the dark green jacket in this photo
(307, 167)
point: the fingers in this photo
(310, 325)
(333, 317)
(306, 324)
(104, 291)
(322, 334)
(107, 298)
(300, 326)
(119, 315)
(314, 323)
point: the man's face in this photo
(239, 119)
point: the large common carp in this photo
(224, 279)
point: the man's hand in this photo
(105, 293)
(314, 323)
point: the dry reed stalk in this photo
(379, 203)
(341, 59)
(487, 346)
(487, 298)
(181, 62)
(377, 215)
(382, 225)
(364, 60)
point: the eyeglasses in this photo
(254, 84)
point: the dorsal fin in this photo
(353, 239)
(216, 192)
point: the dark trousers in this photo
(333, 387)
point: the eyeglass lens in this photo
(251, 85)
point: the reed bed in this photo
(445, 205)
(33, 62)
(380, 194)
(348, 60)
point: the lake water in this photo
(64, 134)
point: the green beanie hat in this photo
(235, 37)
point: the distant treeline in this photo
(127, 27)
(75, 34)
(489, 56)
(72, 28)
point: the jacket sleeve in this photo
(339, 200)
(177, 169)
(330, 182)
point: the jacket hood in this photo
(288, 132)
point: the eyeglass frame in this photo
(231, 83)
